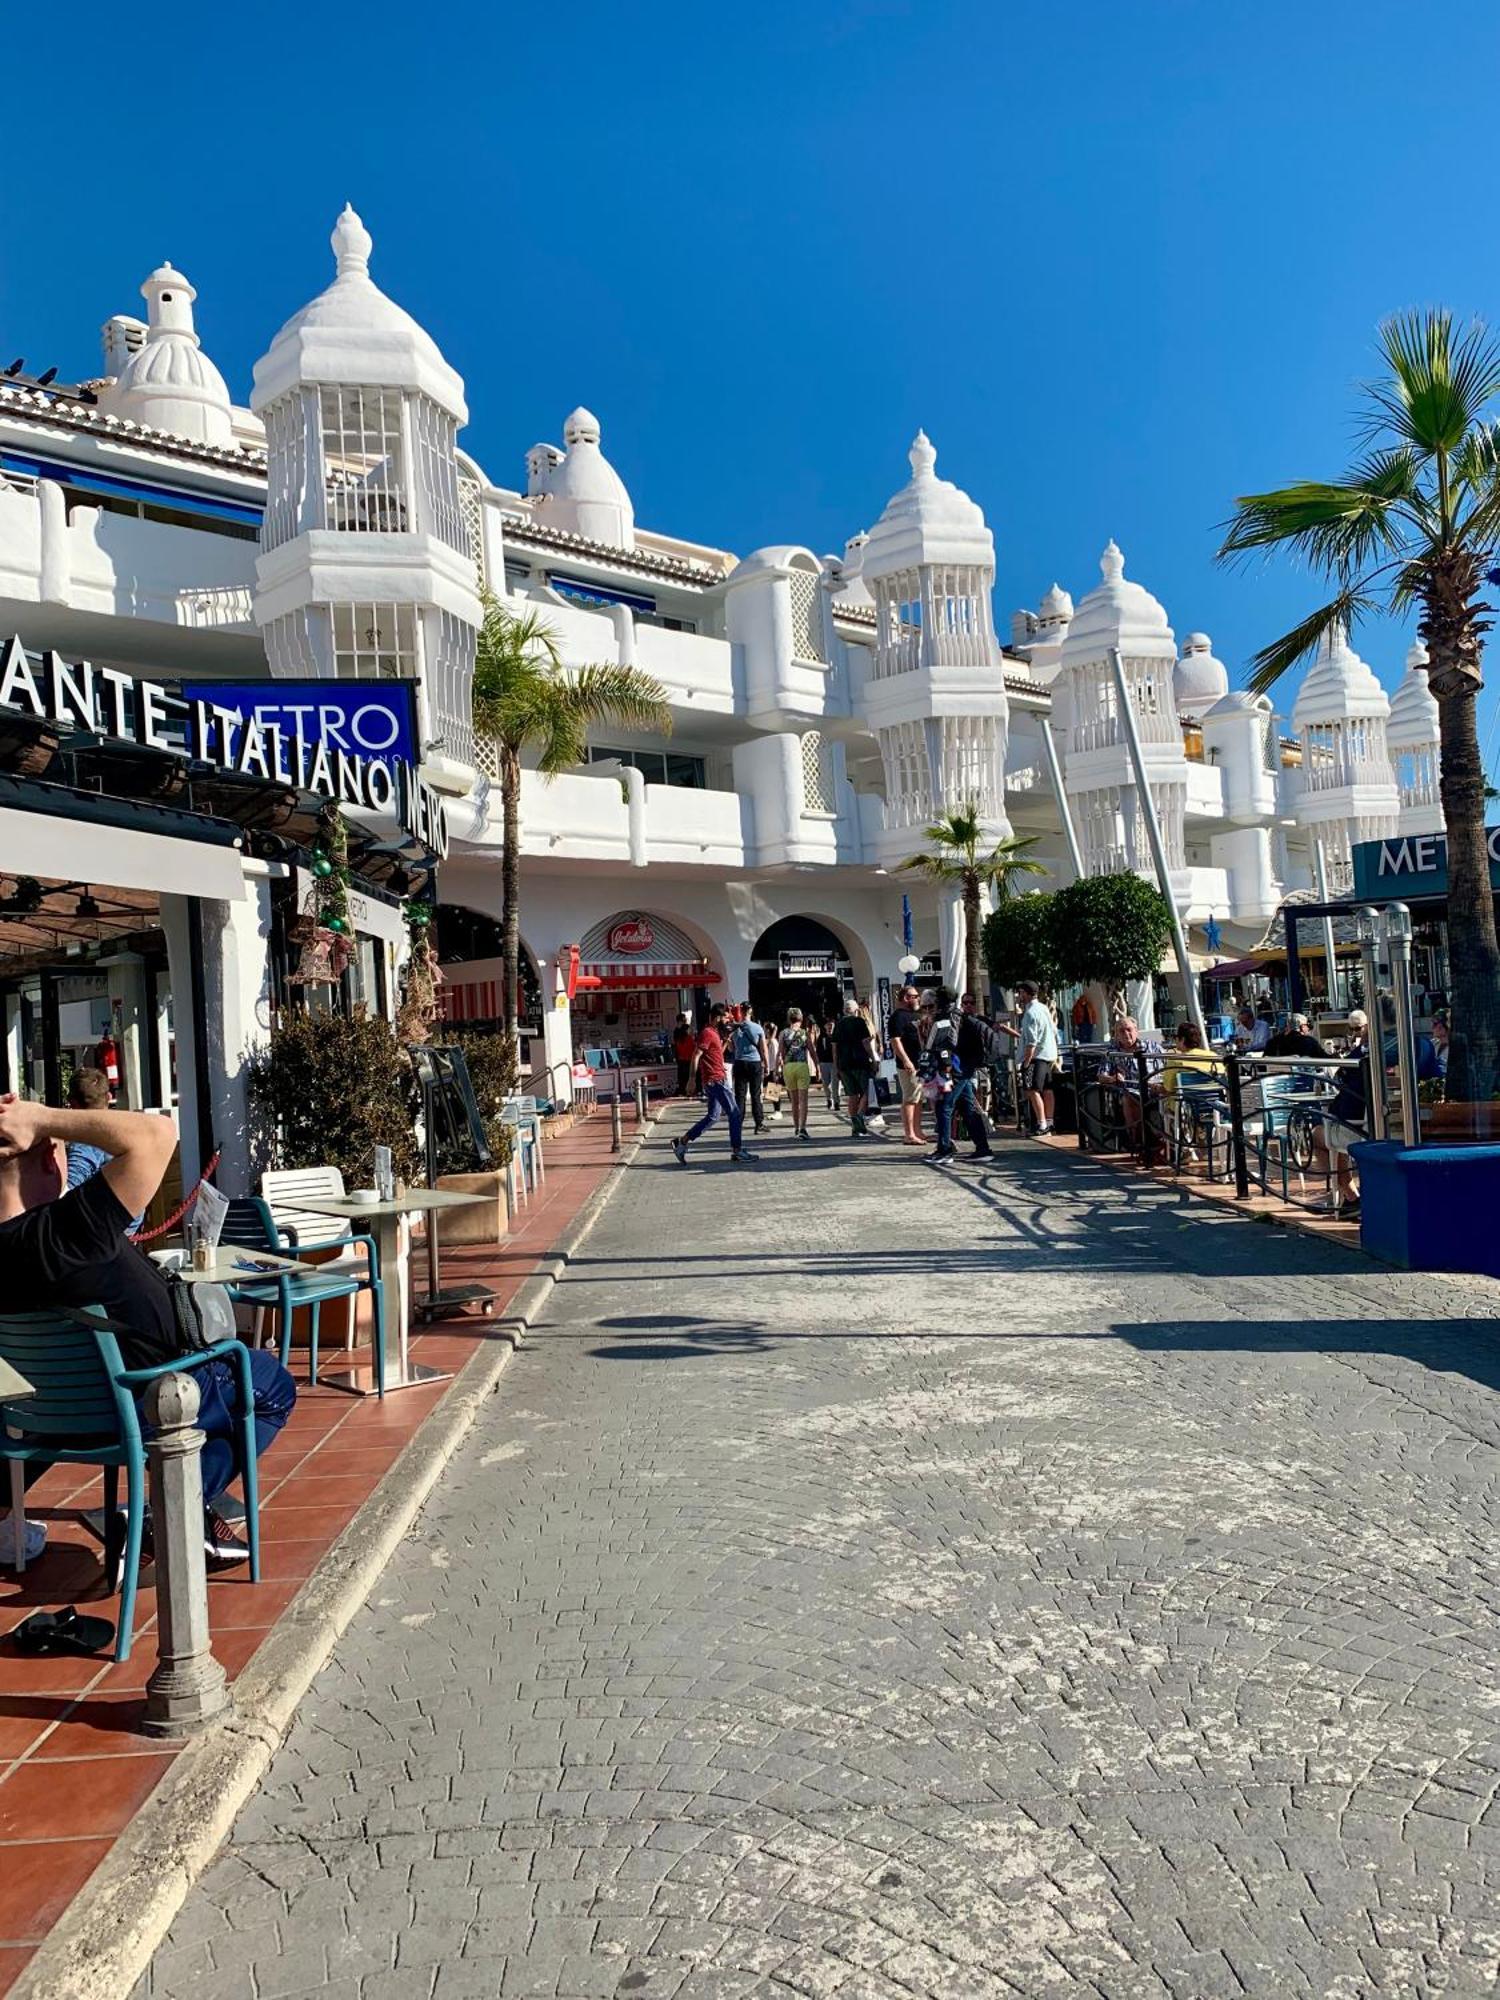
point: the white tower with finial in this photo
(935, 699)
(169, 383)
(365, 569)
(1414, 739)
(1346, 789)
(1097, 770)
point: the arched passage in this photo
(808, 962)
(471, 952)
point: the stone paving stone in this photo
(871, 1583)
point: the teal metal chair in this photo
(1278, 1127)
(83, 1411)
(250, 1225)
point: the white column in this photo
(951, 939)
(127, 1004)
(557, 1046)
(236, 1006)
(187, 1017)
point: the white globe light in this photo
(909, 963)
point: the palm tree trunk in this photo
(1473, 953)
(510, 888)
(971, 936)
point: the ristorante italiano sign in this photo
(77, 695)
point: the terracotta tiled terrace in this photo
(73, 1767)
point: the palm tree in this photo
(956, 857)
(524, 697)
(1415, 525)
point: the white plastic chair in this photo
(285, 1189)
(528, 1145)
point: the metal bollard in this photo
(640, 1101)
(187, 1688)
(614, 1123)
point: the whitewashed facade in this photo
(825, 707)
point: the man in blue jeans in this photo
(63, 1246)
(708, 1068)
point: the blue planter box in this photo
(1430, 1208)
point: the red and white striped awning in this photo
(472, 1000)
(633, 951)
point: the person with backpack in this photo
(709, 1071)
(747, 1053)
(798, 1067)
(942, 1073)
(978, 1048)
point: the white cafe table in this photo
(392, 1221)
(231, 1266)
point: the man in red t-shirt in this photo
(709, 1069)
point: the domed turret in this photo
(365, 568)
(581, 492)
(1056, 607)
(1414, 735)
(170, 383)
(936, 697)
(353, 333)
(929, 521)
(1198, 679)
(1346, 788)
(1338, 685)
(1120, 613)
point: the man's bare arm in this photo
(140, 1143)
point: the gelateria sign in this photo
(76, 694)
(1414, 865)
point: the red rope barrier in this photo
(150, 1235)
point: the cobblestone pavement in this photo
(876, 1583)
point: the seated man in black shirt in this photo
(62, 1246)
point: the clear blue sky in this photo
(1121, 260)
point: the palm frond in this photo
(620, 695)
(936, 867)
(1436, 385)
(1335, 524)
(1272, 661)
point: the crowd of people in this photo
(946, 1052)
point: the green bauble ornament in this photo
(321, 865)
(335, 924)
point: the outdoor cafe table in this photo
(233, 1266)
(392, 1222)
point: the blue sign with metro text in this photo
(1412, 865)
(375, 720)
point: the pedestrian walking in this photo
(828, 1059)
(854, 1057)
(1038, 1054)
(747, 1050)
(709, 1070)
(798, 1055)
(775, 1081)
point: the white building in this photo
(824, 708)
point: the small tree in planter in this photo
(1110, 928)
(328, 1090)
(1018, 942)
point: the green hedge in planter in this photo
(328, 1090)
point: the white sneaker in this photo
(36, 1541)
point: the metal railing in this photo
(1258, 1122)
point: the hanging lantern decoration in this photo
(323, 927)
(422, 977)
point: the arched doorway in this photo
(471, 952)
(799, 962)
(638, 971)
